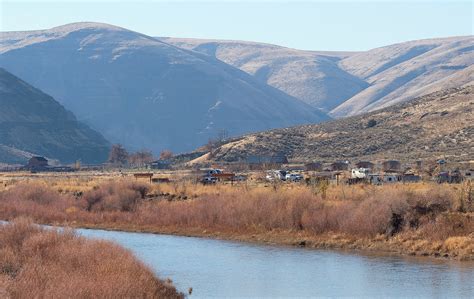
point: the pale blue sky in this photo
(313, 25)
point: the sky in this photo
(310, 25)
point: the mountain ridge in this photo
(413, 66)
(349, 83)
(33, 123)
(145, 93)
(316, 78)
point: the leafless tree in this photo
(141, 158)
(118, 154)
(166, 154)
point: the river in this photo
(215, 268)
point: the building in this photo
(339, 166)
(411, 178)
(379, 179)
(37, 163)
(391, 166)
(314, 166)
(365, 164)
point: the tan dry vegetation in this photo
(46, 263)
(417, 219)
(434, 126)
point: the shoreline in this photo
(397, 246)
(413, 220)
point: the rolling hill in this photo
(349, 83)
(146, 93)
(313, 77)
(438, 125)
(32, 122)
(404, 71)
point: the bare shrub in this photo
(365, 211)
(115, 196)
(41, 263)
(448, 225)
(32, 191)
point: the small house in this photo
(391, 178)
(339, 166)
(314, 166)
(37, 163)
(378, 179)
(410, 178)
(391, 166)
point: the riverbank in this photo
(459, 248)
(420, 220)
(38, 262)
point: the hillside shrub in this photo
(371, 123)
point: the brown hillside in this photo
(438, 125)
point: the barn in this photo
(37, 163)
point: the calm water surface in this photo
(217, 268)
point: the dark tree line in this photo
(120, 156)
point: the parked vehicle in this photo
(207, 180)
(293, 177)
(453, 177)
(213, 171)
(360, 173)
(274, 175)
(240, 178)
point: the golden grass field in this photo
(417, 219)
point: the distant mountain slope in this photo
(403, 71)
(313, 77)
(145, 93)
(32, 122)
(348, 83)
(438, 125)
(10, 155)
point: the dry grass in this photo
(404, 214)
(46, 263)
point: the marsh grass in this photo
(421, 211)
(47, 263)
